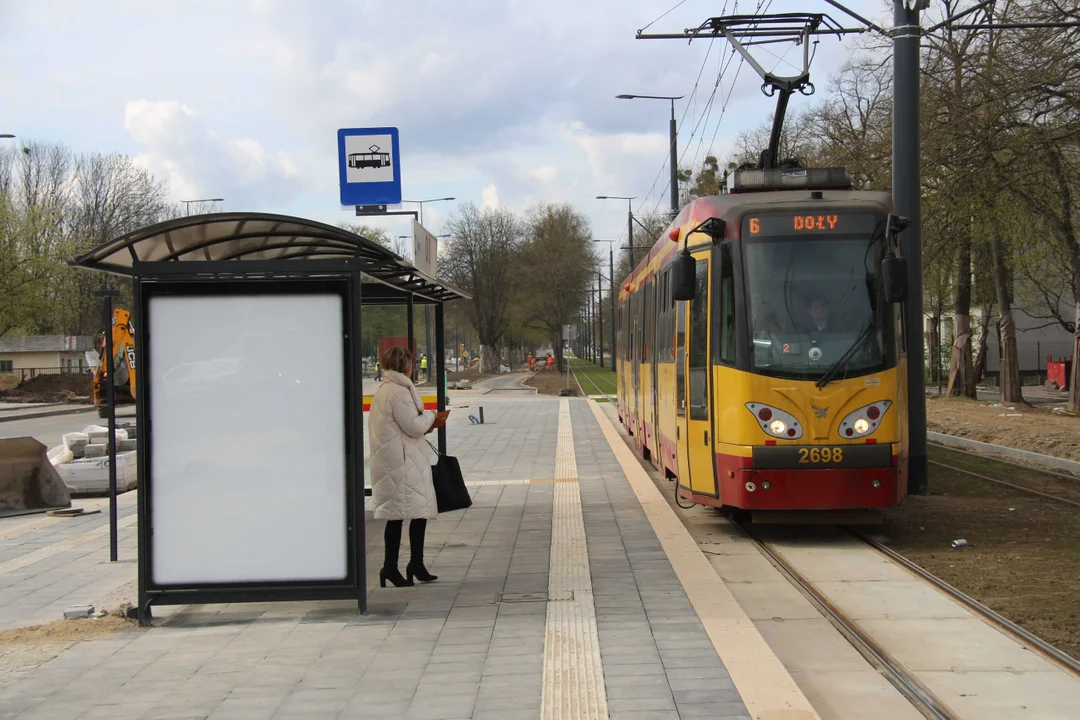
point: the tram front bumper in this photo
(823, 489)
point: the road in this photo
(50, 430)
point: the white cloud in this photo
(545, 174)
(489, 197)
(198, 161)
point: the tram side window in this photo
(698, 399)
(727, 306)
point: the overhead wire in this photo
(703, 118)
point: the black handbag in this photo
(450, 491)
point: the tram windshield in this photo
(813, 295)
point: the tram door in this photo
(635, 368)
(699, 440)
(654, 415)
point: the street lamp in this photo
(672, 133)
(187, 203)
(611, 292)
(6, 136)
(421, 204)
(629, 219)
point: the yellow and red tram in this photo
(781, 384)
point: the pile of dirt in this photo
(550, 383)
(65, 387)
(63, 631)
(1037, 429)
(1022, 555)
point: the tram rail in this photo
(1015, 486)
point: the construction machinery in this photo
(123, 342)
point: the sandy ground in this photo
(23, 649)
(1041, 430)
(550, 383)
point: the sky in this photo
(504, 103)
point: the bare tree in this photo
(556, 270)
(480, 257)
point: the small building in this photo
(30, 355)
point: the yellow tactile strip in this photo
(573, 686)
(766, 687)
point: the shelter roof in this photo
(245, 236)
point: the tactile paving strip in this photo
(573, 686)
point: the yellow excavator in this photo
(123, 341)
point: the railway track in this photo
(876, 655)
(1015, 486)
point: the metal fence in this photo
(24, 374)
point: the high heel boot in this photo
(416, 568)
(392, 547)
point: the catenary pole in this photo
(906, 195)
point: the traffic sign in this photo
(368, 166)
(425, 250)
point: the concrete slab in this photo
(849, 561)
(851, 694)
(811, 645)
(891, 599)
(1007, 695)
(773, 600)
(953, 645)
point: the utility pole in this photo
(611, 280)
(906, 196)
(600, 317)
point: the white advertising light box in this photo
(248, 445)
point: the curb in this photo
(52, 413)
(1000, 450)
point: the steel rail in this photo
(1003, 482)
(1048, 650)
(996, 458)
(904, 681)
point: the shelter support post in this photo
(110, 403)
(906, 195)
(354, 348)
(440, 370)
(409, 315)
(141, 458)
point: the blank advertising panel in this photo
(247, 438)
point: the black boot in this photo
(392, 545)
(416, 568)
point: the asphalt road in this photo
(50, 430)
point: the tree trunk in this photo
(980, 358)
(555, 337)
(489, 359)
(961, 369)
(932, 340)
(1074, 375)
(1010, 361)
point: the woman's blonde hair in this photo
(397, 359)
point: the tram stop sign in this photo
(369, 167)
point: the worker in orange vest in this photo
(550, 362)
(532, 363)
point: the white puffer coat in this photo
(401, 486)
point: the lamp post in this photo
(611, 294)
(629, 219)
(421, 204)
(6, 136)
(187, 203)
(672, 133)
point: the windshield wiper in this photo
(834, 369)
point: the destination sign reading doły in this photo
(804, 223)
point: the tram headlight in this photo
(775, 422)
(864, 421)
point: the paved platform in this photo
(561, 594)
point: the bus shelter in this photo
(249, 402)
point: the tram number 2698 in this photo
(821, 455)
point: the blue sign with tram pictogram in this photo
(369, 168)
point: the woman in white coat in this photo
(401, 487)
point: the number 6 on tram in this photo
(760, 355)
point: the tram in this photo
(760, 352)
(369, 160)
